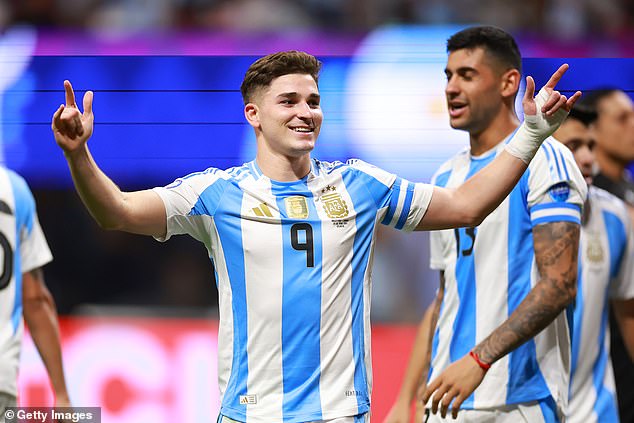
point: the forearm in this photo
(101, 196)
(418, 365)
(540, 307)
(481, 194)
(41, 318)
(556, 249)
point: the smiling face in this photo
(286, 115)
(474, 89)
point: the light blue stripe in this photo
(549, 410)
(24, 214)
(396, 189)
(356, 183)
(605, 405)
(301, 308)
(229, 229)
(556, 159)
(563, 163)
(556, 205)
(578, 319)
(556, 218)
(617, 241)
(525, 381)
(442, 179)
(551, 168)
(210, 199)
(406, 206)
(464, 325)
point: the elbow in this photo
(570, 293)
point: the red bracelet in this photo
(484, 366)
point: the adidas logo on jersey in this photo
(262, 210)
(248, 399)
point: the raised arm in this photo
(556, 247)
(41, 318)
(418, 365)
(472, 201)
(139, 212)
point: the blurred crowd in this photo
(566, 19)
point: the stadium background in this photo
(138, 317)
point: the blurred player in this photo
(291, 239)
(607, 274)
(509, 279)
(23, 292)
(614, 135)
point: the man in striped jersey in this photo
(291, 238)
(23, 292)
(606, 275)
(498, 322)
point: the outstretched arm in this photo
(556, 247)
(41, 319)
(471, 202)
(418, 365)
(139, 212)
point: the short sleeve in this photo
(34, 250)
(556, 188)
(401, 203)
(190, 202)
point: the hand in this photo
(62, 403)
(456, 383)
(548, 98)
(72, 128)
(399, 413)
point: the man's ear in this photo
(510, 83)
(251, 113)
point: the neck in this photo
(283, 168)
(500, 128)
(611, 168)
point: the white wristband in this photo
(534, 130)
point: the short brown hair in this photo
(267, 68)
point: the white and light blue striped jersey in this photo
(606, 271)
(490, 269)
(22, 248)
(293, 263)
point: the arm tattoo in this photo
(556, 248)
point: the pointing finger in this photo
(70, 94)
(554, 79)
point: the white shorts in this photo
(533, 412)
(6, 400)
(362, 418)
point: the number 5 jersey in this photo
(490, 269)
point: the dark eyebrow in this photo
(295, 94)
(462, 70)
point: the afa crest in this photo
(594, 250)
(334, 205)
